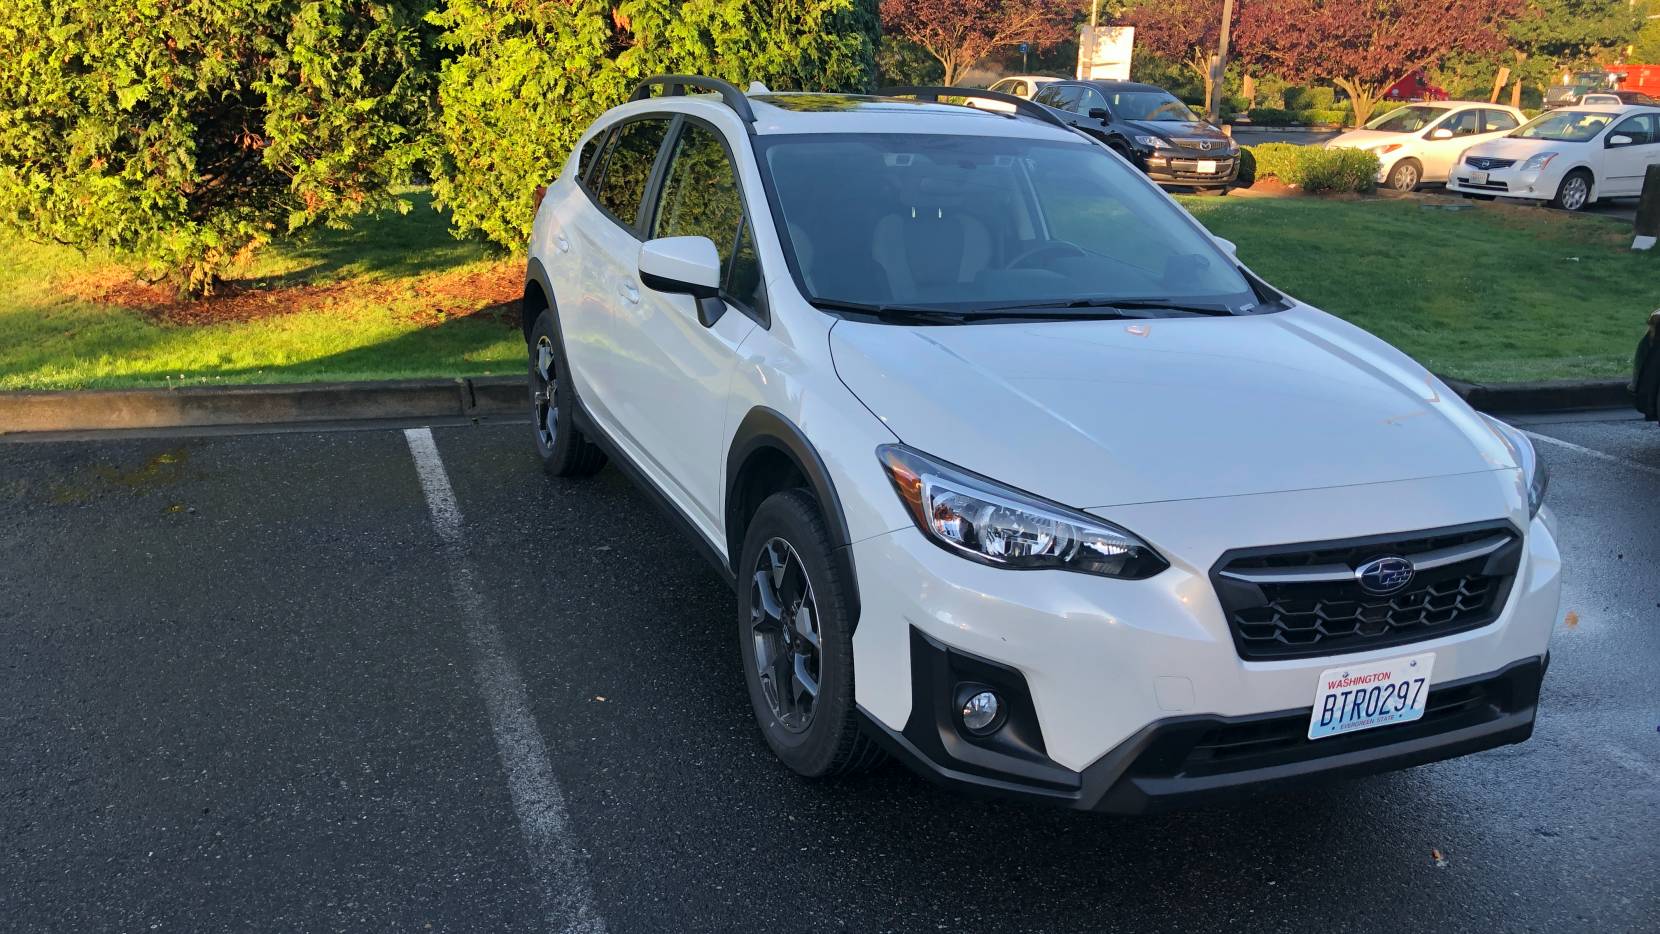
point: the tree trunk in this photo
(1516, 89)
(1361, 98)
(1199, 60)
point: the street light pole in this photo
(1220, 67)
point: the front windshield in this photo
(1564, 126)
(972, 223)
(1407, 119)
(1157, 106)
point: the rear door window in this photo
(1495, 121)
(628, 164)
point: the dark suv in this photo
(1150, 127)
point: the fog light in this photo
(980, 713)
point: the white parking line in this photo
(537, 799)
(1592, 452)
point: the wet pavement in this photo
(262, 681)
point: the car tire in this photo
(1406, 175)
(564, 450)
(788, 588)
(1575, 191)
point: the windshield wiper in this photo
(900, 313)
(1127, 307)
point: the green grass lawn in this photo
(1486, 294)
(1489, 294)
(393, 297)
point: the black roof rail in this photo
(935, 92)
(676, 85)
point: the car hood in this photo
(1506, 147)
(1107, 413)
(1177, 132)
(1360, 139)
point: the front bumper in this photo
(1184, 761)
(1509, 182)
(1190, 170)
(1115, 671)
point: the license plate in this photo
(1360, 697)
(1207, 167)
(1478, 178)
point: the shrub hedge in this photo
(1315, 169)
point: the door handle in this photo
(563, 244)
(628, 293)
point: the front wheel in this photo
(1574, 192)
(1405, 176)
(795, 638)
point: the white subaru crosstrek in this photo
(1017, 473)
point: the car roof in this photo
(1106, 85)
(783, 112)
(1044, 78)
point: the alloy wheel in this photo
(1575, 192)
(544, 401)
(784, 626)
(1406, 178)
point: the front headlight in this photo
(1533, 469)
(1538, 161)
(1153, 142)
(987, 522)
(1386, 148)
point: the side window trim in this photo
(585, 168)
(654, 190)
(615, 134)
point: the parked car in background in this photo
(1645, 370)
(1015, 85)
(1616, 98)
(1420, 143)
(1578, 85)
(1570, 157)
(1150, 127)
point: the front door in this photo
(679, 371)
(1440, 154)
(1624, 164)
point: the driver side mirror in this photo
(1619, 139)
(1100, 113)
(1441, 133)
(685, 266)
(1228, 246)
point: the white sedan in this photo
(1018, 85)
(1569, 157)
(1421, 142)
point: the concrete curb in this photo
(1550, 396)
(93, 410)
(482, 397)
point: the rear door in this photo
(596, 338)
(678, 372)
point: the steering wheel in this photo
(1058, 247)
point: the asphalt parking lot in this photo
(386, 680)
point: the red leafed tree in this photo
(1364, 46)
(1183, 31)
(959, 33)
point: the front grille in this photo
(1189, 168)
(1306, 600)
(1487, 164)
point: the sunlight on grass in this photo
(1489, 293)
(389, 330)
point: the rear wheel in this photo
(795, 637)
(1405, 176)
(1574, 192)
(564, 450)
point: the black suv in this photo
(1150, 127)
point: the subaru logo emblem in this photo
(1385, 575)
